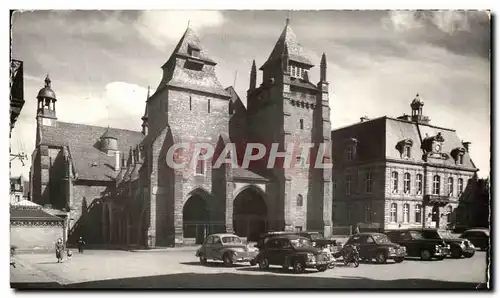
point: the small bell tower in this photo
(46, 104)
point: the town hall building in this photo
(114, 187)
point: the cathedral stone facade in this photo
(116, 188)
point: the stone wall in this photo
(31, 237)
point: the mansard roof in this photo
(382, 135)
(83, 141)
(288, 41)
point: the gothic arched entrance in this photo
(250, 214)
(196, 218)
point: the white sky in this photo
(101, 63)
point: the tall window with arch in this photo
(419, 184)
(300, 201)
(460, 186)
(406, 213)
(348, 185)
(450, 186)
(436, 185)
(406, 184)
(368, 182)
(394, 182)
(394, 212)
(418, 213)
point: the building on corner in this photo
(403, 172)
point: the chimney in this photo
(117, 161)
(467, 146)
(404, 117)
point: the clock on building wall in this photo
(437, 148)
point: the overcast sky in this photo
(101, 63)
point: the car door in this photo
(272, 251)
(207, 247)
(367, 247)
(405, 239)
(286, 250)
(216, 249)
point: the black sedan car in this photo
(292, 251)
(418, 245)
(377, 246)
(459, 247)
(479, 237)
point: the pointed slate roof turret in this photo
(288, 40)
(190, 68)
(190, 44)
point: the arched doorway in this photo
(196, 219)
(250, 214)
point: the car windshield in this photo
(381, 239)
(231, 240)
(446, 235)
(300, 243)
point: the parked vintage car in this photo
(378, 246)
(292, 251)
(417, 245)
(228, 248)
(458, 247)
(479, 237)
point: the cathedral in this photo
(114, 187)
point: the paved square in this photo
(180, 268)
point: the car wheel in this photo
(203, 260)
(398, 260)
(425, 255)
(263, 263)
(298, 267)
(253, 263)
(227, 260)
(381, 258)
(322, 268)
(468, 254)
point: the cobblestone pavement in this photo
(180, 268)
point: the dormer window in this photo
(193, 51)
(458, 155)
(404, 148)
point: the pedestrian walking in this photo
(81, 245)
(59, 250)
(356, 230)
